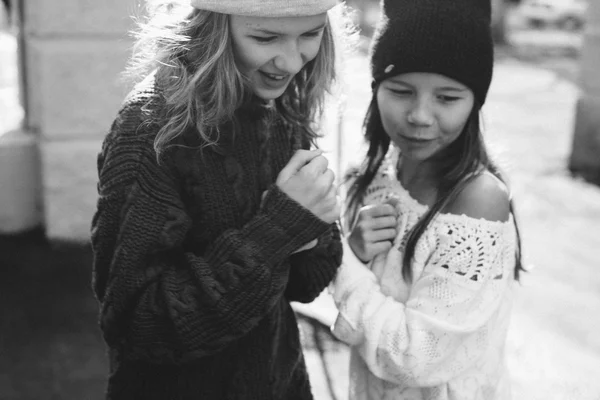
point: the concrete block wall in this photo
(20, 208)
(585, 156)
(74, 53)
(20, 205)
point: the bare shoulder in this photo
(485, 197)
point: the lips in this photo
(416, 140)
(273, 81)
(276, 77)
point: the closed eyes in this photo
(272, 38)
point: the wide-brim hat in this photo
(266, 8)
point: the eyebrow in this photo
(268, 32)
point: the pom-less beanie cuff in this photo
(266, 8)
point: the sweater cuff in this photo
(352, 273)
(292, 226)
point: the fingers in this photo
(333, 204)
(365, 248)
(298, 160)
(392, 201)
(316, 166)
(380, 247)
(374, 219)
(308, 180)
(383, 222)
(375, 230)
(381, 235)
(326, 180)
(383, 210)
(379, 210)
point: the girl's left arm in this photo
(453, 311)
(312, 270)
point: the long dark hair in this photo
(464, 158)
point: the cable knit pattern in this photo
(441, 337)
(194, 276)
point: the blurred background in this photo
(60, 89)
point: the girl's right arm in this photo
(457, 308)
(169, 305)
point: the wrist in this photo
(349, 246)
(310, 245)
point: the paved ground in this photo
(50, 347)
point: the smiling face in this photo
(269, 52)
(423, 113)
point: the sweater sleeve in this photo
(449, 318)
(168, 305)
(312, 270)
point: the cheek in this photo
(390, 113)
(387, 119)
(310, 49)
(453, 123)
(248, 56)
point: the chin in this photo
(419, 156)
(269, 94)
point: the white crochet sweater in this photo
(442, 336)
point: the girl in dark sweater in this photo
(213, 214)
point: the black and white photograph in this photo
(300, 200)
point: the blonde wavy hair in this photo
(191, 53)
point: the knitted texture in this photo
(448, 37)
(443, 335)
(193, 274)
(266, 8)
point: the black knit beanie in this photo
(448, 37)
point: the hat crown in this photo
(266, 8)
(397, 7)
(449, 37)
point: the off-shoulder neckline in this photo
(414, 205)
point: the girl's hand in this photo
(374, 231)
(307, 180)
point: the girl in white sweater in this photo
(433, 250)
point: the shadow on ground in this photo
(50, 344)
(51, 347)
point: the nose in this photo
(421, 113)
(290, 59)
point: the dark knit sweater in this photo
(193, 274)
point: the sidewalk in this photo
(553, 345)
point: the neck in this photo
(416, 173)
(420, 179)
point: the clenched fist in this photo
(374, 231)
(308, 180)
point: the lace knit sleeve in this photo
(169, 305)
(447, 321)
